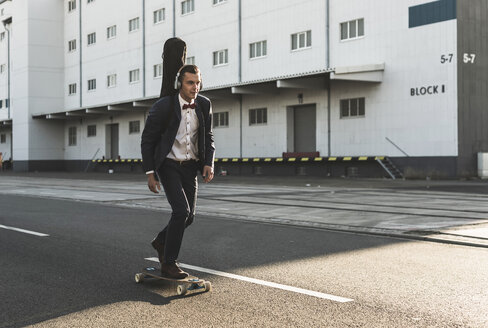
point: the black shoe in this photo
(172, 271)
(159, 248)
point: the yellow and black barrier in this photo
(231, 160)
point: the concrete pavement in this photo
(452, 211)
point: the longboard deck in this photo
(155, 273)
(190, 283)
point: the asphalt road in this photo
(81, 275)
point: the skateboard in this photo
(190, 283)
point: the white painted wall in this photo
(422, 126)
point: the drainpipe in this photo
(240, 40)
(174, 19)
(240, 73)
(143, 48)
(327, 33)
(81, 57)
(5, 24)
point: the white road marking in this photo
(262, 282)
(24, 231)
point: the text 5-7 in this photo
(446, 58)
(469, 58)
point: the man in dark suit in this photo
(177, 141)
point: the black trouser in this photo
(180, 185)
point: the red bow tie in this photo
(192, 106)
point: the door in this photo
(112, 141)
(304, 128)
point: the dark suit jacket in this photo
(162, 126)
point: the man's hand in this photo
(153, 183)
(208, 173)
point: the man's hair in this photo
(193, 69)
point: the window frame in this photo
(137, 72)
(72, 45)
(112, 78)
(91, 85)
(357, 29)
(191, 9)
(263, 45)
(109, 30)
(72, 136)
(360, 107)
(158, 71)
(93, 37)
(307, 40)
(71, 5)
(256, 114)
(134, 128)
(72, 89)
(156, 13)
(225, 53)
(135, 19)
(218, 117)
(190, 60)
(93, 130)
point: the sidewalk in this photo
(451, 211)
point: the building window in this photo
(258, 116)
(3, 138)
(72, 136)
(187, 6)
(2, 36)
(220, 119)
(134, 24)
(220, 57)
(159, 15)
(134, 76)
(190, 60)
(92, 38)
(90, 1)
(72, 45)
(92, 84)
(301, 40)
(158, 70)
(216, 2)
(134, 127)
(111, 31)
(352, 107)
(91, 131)
(3, 68)
(1, 103)
(72, 89)
(353, 29)
(258, 49)
(111, 80)
(71, 5)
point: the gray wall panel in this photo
(472, 18)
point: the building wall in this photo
(473, 83)
(420, 125)
(398, 122)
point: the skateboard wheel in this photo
(208, 286)
(181, 290)
(139, 277)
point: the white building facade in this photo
(326, 79)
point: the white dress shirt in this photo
(185, 146)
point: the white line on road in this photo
(24, 231)
(262, 282)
